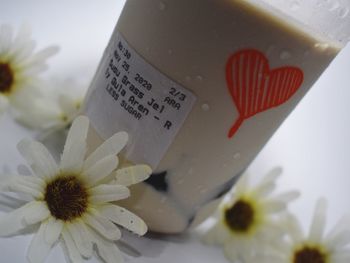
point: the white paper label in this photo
(128, 94)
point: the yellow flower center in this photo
(6, 78)
(240, 217)
(66, 198)
(64, 118)
(309, 255)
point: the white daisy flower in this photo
(71, 202)
(248, 220)
(53, 108)
(19, 64)
(316, 247)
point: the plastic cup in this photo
(241, 67)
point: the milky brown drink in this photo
(200, 86)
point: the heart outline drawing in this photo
(255, 88)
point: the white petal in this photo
(31, 185)
(101, 169)
(107, 250)
(71, 248)
(272, 175)
(39, 158)
(4, 185)
(25, 52)
(40, 112)
(30, 181)
(111, 146)
(39, 248)
(37, 62)
(217, 234)
(318, 221)
(13, 222)
(4, 103)
(103, 226)
(341, 257)
(132, 175)
(270, 231)
(20, 188)
(268, 183)
(81, 238)
(274, 206)
(242, 184)
(22, 41)
(125, 218)
(6, 35)
(231, 251)
(24, 170)
(280, 245)
(339, 241)
(75, 147)
(30, 90)
(269, 259)
(53, 230)
(341, 226)
(9, 203)
(244, 247)
(295, 232)
(68, 104)
(264, 190)
(34, 68)
(288, 196)
(39, 212)
(108, 193)
(46, 53)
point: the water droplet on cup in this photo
(343, 12)
(237, 156)
(162, 6)
(170, 51)
(285, 55)
(270, 49)
(202, 189)
(160, 211)
(180, 181)
(199, 78)
(188, 78)
(205, 107)
(321, 46)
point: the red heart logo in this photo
(255, 88)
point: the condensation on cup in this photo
(201, 86)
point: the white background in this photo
(312, 146)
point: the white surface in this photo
(312, 145)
